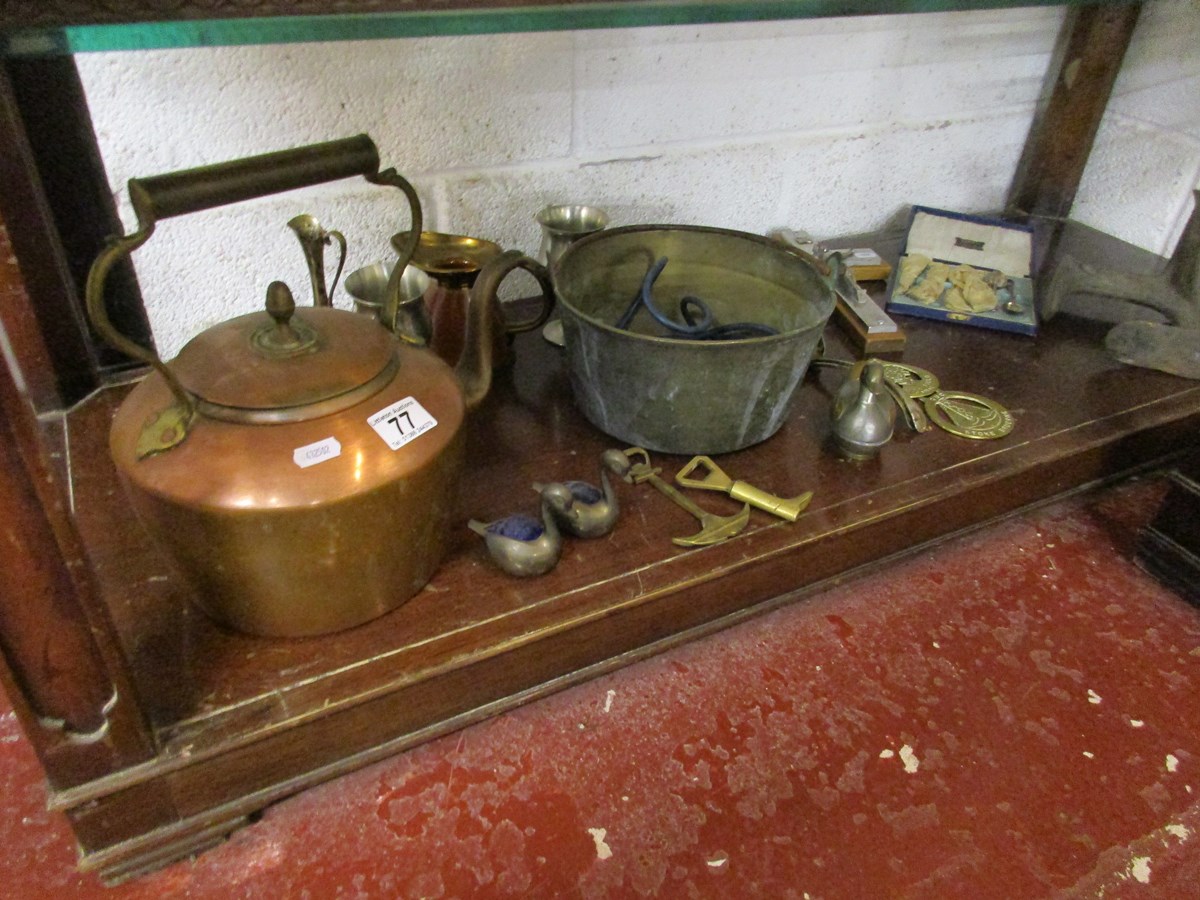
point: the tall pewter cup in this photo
(563, 225)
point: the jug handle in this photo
(340, 239)
(474, 369)
(543, 313)
(192, 190)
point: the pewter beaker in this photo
(368, 287)
(563, 225)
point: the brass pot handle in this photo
(832, 270)
(793, 247)
(192, 190)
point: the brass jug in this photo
(453, 262)
(314, 238)
(300, 466)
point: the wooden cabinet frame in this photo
(146, 777)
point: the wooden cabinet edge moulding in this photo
(62, 667)
(43, 27)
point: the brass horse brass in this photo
(961, 414)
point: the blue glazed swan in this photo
(520, 544)
(593, 510)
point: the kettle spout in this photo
(474, 369)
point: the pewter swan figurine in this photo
(520, 544)
(593, 511)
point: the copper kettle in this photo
(299, 466)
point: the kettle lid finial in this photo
(284, 357)
(284, 337)
(280, 302)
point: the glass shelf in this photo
(62, 35)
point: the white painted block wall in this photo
(831, 125)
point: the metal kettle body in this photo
(309, 526)
(299, 466)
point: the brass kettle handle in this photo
(192, 190)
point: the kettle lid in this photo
(282, 359)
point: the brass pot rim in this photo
(826, 299)
(441, 253)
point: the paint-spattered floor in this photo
(1013, 714)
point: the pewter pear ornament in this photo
(864, 415)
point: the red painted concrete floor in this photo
(1012, 714)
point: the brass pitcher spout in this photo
(313, 240)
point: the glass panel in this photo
(550, 17)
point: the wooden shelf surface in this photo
(242, 720)
(194, 675)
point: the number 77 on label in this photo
(402, 422)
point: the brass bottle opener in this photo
(716, 480)
(713, 528)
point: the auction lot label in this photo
(402, 422)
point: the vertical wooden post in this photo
(60, 663)
(54, 194)
(1078, 85)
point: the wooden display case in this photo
(160, 732)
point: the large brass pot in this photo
(300, 466)
(680, 395)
